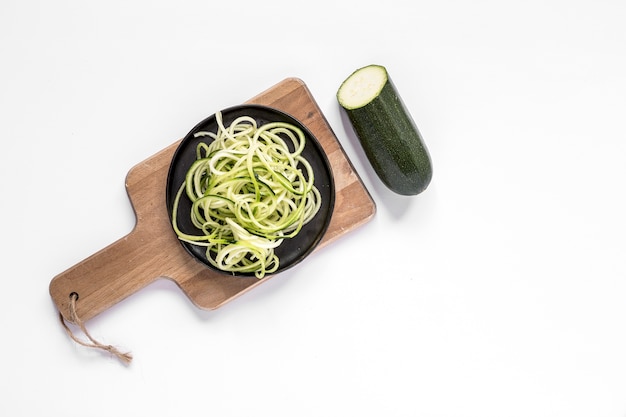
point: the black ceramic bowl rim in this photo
(291, 251)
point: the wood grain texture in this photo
(152, 250)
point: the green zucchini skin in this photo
(392, 142)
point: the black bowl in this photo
(292, 250)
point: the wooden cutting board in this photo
(152, 250)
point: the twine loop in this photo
(126, 358)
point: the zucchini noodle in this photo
(249, 192)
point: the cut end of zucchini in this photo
(362, 86)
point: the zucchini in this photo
(386, 130)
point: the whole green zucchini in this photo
(386, 130)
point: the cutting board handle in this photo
(108, 276)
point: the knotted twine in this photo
(126, 358)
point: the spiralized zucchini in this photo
(249, 192)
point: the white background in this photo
(499, 291)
